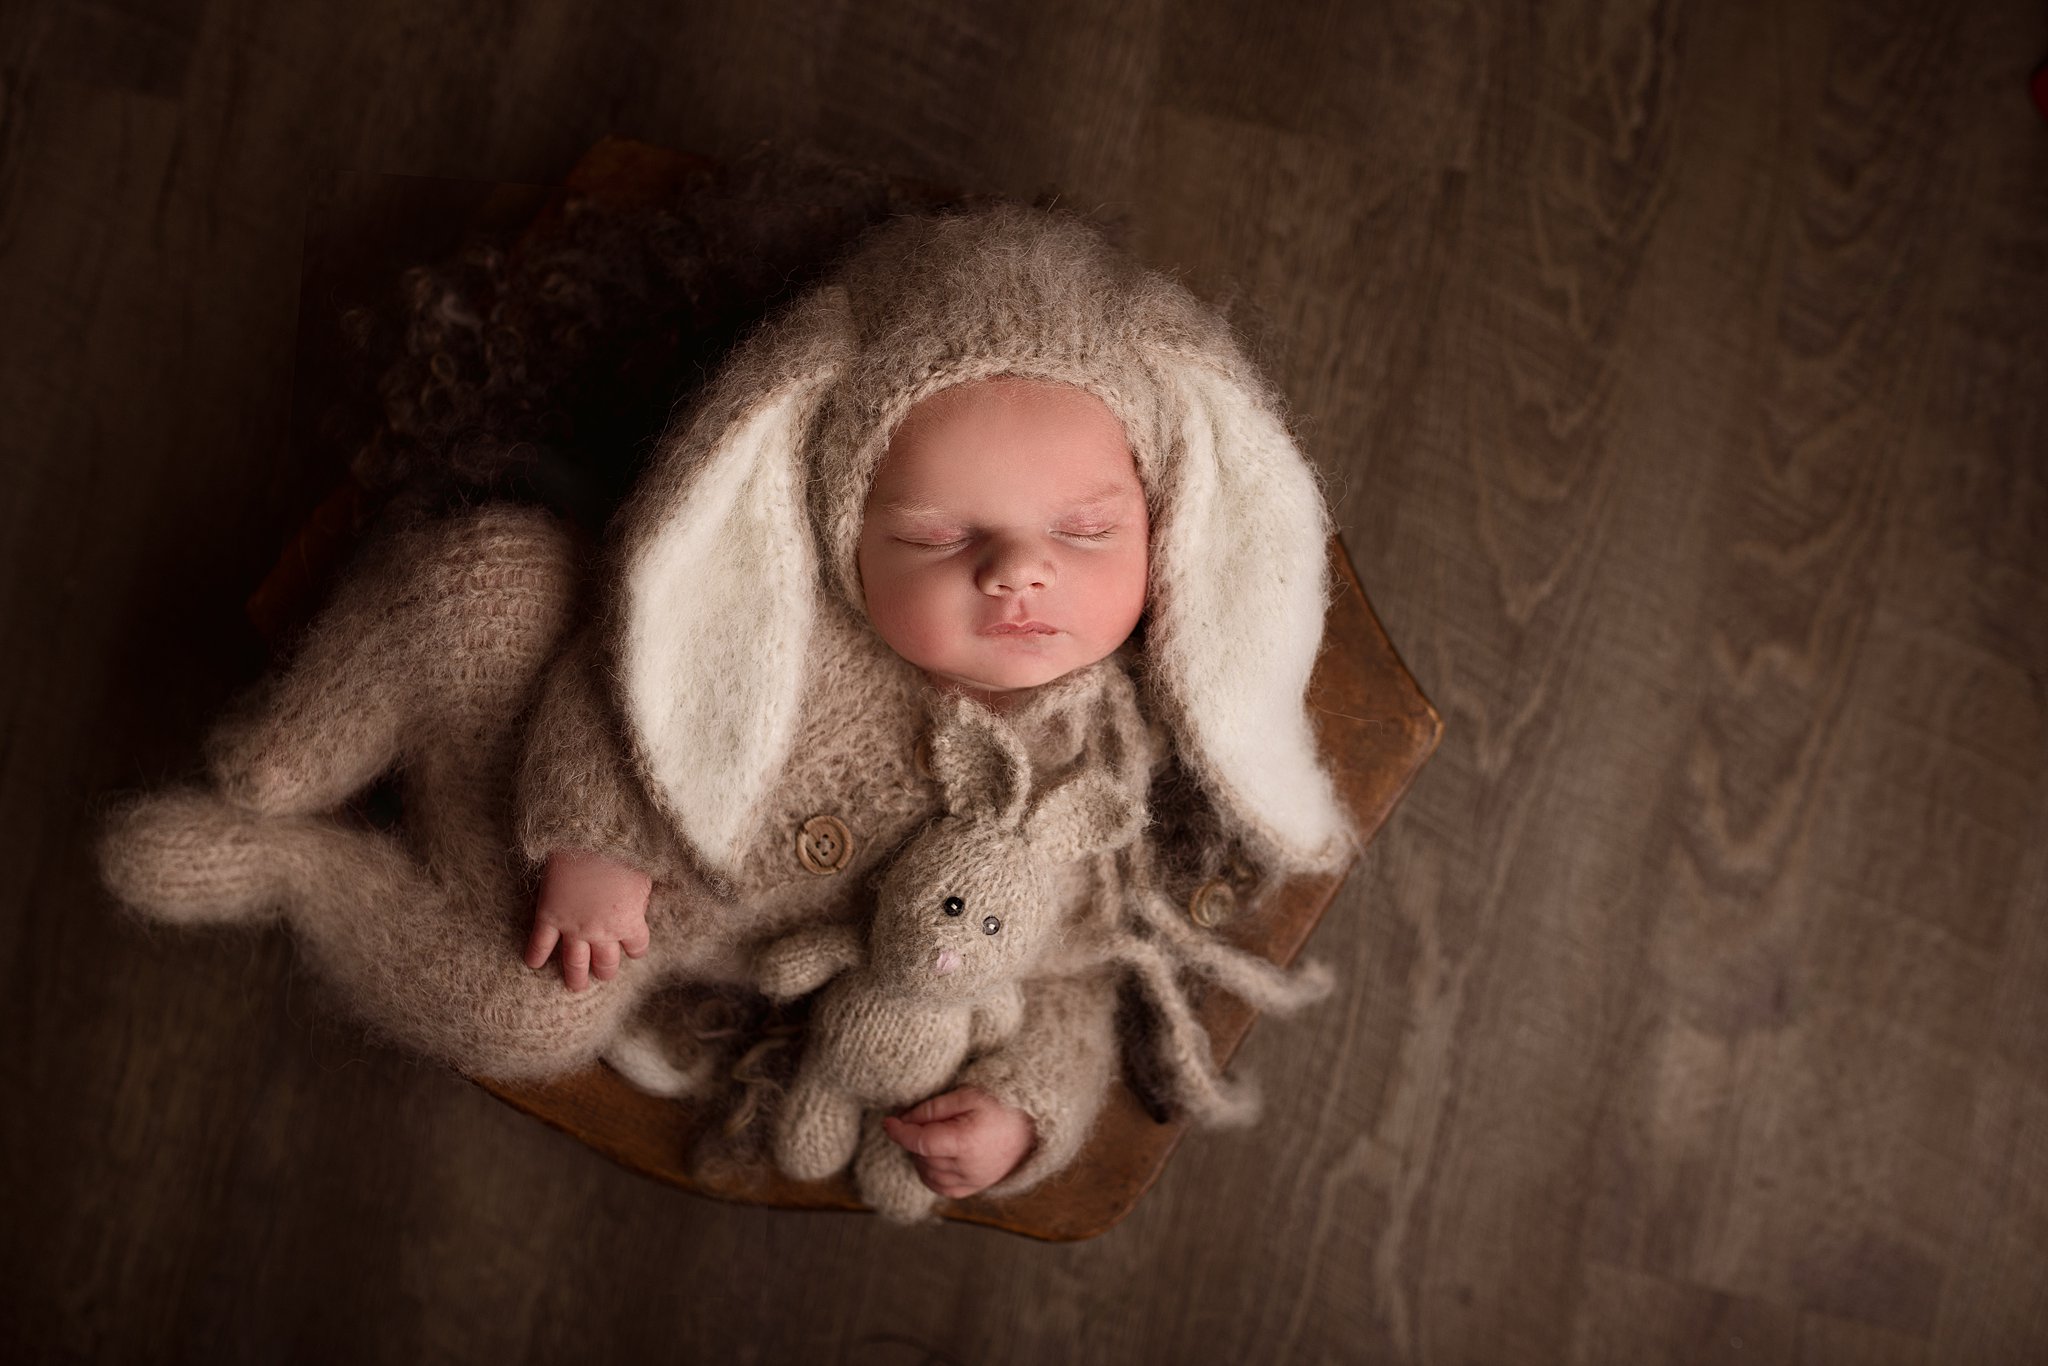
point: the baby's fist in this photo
(963, 1141)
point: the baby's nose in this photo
(1015, 569)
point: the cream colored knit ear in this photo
(719, 582)
(1240, 579)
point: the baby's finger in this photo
(948, 1181)
(635, 944)
(912, 1138)
(541, 944)
(576, 963)
(954, 1102)
(604, 961)
(938, 1140)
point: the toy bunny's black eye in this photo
(990, 925)
(953, 905)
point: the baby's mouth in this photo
(1019, 628)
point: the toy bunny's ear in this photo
(1087, 814)
(718, 581)
(981, 766)
(1240, 588)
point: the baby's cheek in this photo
(1114, 603)
(911, 620)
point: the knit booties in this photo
(191, 858)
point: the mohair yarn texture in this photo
(963, 913)
(727, 722)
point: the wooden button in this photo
(823, 844)
(1240, 874)
(1214, 903)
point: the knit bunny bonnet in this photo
(746, 526)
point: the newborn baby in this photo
(1002, 546)
(989, 454)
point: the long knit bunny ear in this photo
(980, 764)
(1087, 814)
(1241, 583)
(719, 582)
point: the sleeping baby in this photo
(991, 459)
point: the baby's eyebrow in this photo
(912, 507)
(909, 507)
(1105, 493)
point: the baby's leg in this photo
(436, 967)
(887, 1178)
(816, 1132)
(431, 652)
(430, 645)
(430, 967)
(334, 720)
(191, 858)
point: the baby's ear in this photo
(1240, 576)
(718, 581)
(1084, 815)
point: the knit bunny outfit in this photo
(729, 723)
(963, 915)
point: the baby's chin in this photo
(1009, 670)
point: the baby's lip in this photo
(1019, 628)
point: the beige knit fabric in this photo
(963, 915)
(423, 664)
(746, 528)
(728, 714)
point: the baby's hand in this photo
(963, 1141)
(596, 908)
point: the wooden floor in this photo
(1681, 375)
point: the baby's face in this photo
(1004, 539)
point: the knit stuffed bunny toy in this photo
(962, 915)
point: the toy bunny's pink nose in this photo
(948, 961)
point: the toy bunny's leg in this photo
(887, 1178)
(817, 1131)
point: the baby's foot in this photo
(191, 858)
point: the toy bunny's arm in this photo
(576, 790)
(804, 961)
(996, 1018)
(1056, 1068)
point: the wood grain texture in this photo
(1677, 372)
